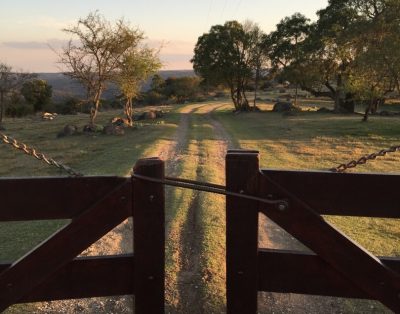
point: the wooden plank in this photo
(241, 233)
(52, 198)
(343, 254)
(149, 237)
(306, 273)
(86, 277)
(346, 194)
(39, 264)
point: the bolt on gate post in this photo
(149, 239)
(242, 171)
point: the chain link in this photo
(364, 159)
(32, 152)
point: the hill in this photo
(64, 87)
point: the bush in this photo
(19, 110)
(69, 106)
(154, 98)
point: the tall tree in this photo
(37, 92)
(136, 66)
(284, 48)
(95, 53)
(259, 57)
(224, 56)
(329, 54)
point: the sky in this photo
(29, 28)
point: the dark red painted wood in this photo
(86, 278)
(351, 260)
(52, 198)
(241, 233)
(149, 237)
(39, 264)
(345, 194)
(306, 273)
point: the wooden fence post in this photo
(149, 237)
(242, 172)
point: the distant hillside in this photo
(64, 87)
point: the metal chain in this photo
(211, 188)
(32, 152)
(363, 160)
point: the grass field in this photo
(190, 138)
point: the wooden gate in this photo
(338, 267)
(94, 205)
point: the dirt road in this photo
(184, 237)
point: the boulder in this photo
(68, 130)
(119, 121)
(150, 115)
(159, 113)
(48, 116)
(324, 110)
(112, 129)
(285, 107)
(92, 128)
(139, 116)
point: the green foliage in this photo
(19, 110)
(137, 64)
(37, 92)
(226, 56)
(347, 54)
(10, 82)
(100, 51)
(182, 89)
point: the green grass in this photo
(308, 140)
(94, 154)
(320, 141)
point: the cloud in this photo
(35, 45)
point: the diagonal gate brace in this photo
(365, 270)
(43, 261)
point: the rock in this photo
(119, 121)
(324, 110)
(92, 128)
(285, 107)
(150, 115)
(68, 130)
(139, 116)
(112, 129)
(159, 113)
(48, 116)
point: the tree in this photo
(136, 66)
(181, 88)
(10, 81)
(259, 57)
(98, 53)
(224, 56)
(37, 92)
(284, 48)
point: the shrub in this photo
(19, 110)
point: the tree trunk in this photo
(295, 94)
(368, 109)
(129, 111)
(256, 86)
(94, 110)
(1, 107)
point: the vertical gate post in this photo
(149, 237)
(242, 172)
